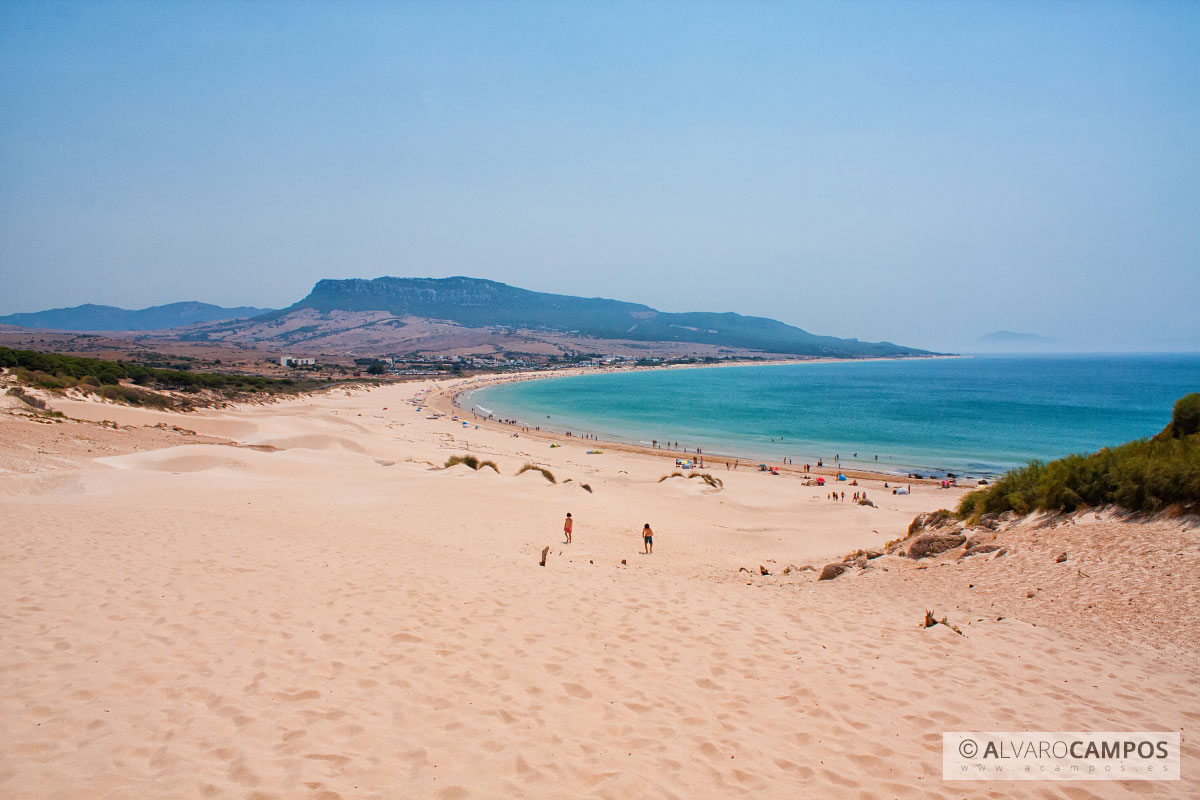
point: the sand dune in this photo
(344, 618)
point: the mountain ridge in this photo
(481, 303)
(91, 317)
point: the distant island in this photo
(89, 317)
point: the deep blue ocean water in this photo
(972, 416)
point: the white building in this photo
(292, 361)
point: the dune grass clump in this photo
(27, 399)
(711, 480)
(137, 397)
(471, 461)
(1145, 475)
(547, 474)
(930, 622)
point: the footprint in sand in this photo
(334, 758)
(576, 690)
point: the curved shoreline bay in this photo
(969, 416)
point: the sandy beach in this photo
(295, 599)
(453, 397)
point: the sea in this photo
(972, 416)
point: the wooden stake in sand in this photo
(545, 550)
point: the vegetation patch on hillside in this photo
(110, 379)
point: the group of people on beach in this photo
(647, 534)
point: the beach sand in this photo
(296, 601)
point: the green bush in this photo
(53, 371)
(1147, 475)
(1185, 419)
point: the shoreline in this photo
(446, 400)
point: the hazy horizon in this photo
(922, 173)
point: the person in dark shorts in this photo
(647, 539)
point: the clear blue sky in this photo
(919, 172)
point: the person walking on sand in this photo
(647, 539)
(568, 526)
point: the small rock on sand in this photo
(930, 545)
(978, 549)
(831, 571)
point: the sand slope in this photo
(339, 618)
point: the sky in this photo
(918, 172)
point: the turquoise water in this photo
(971, 416)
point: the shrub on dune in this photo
(27, 399)
(471, 461)
(711, 480)
(547, 474)
(1147, 475)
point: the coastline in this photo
(447, 401)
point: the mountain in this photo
(110, 318)
(476, 303)
(1009, 341)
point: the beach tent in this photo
(595, 452)
(554, 444)
(841, 477)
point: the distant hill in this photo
(1004, 341)
(476, 303)
(110, 318)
